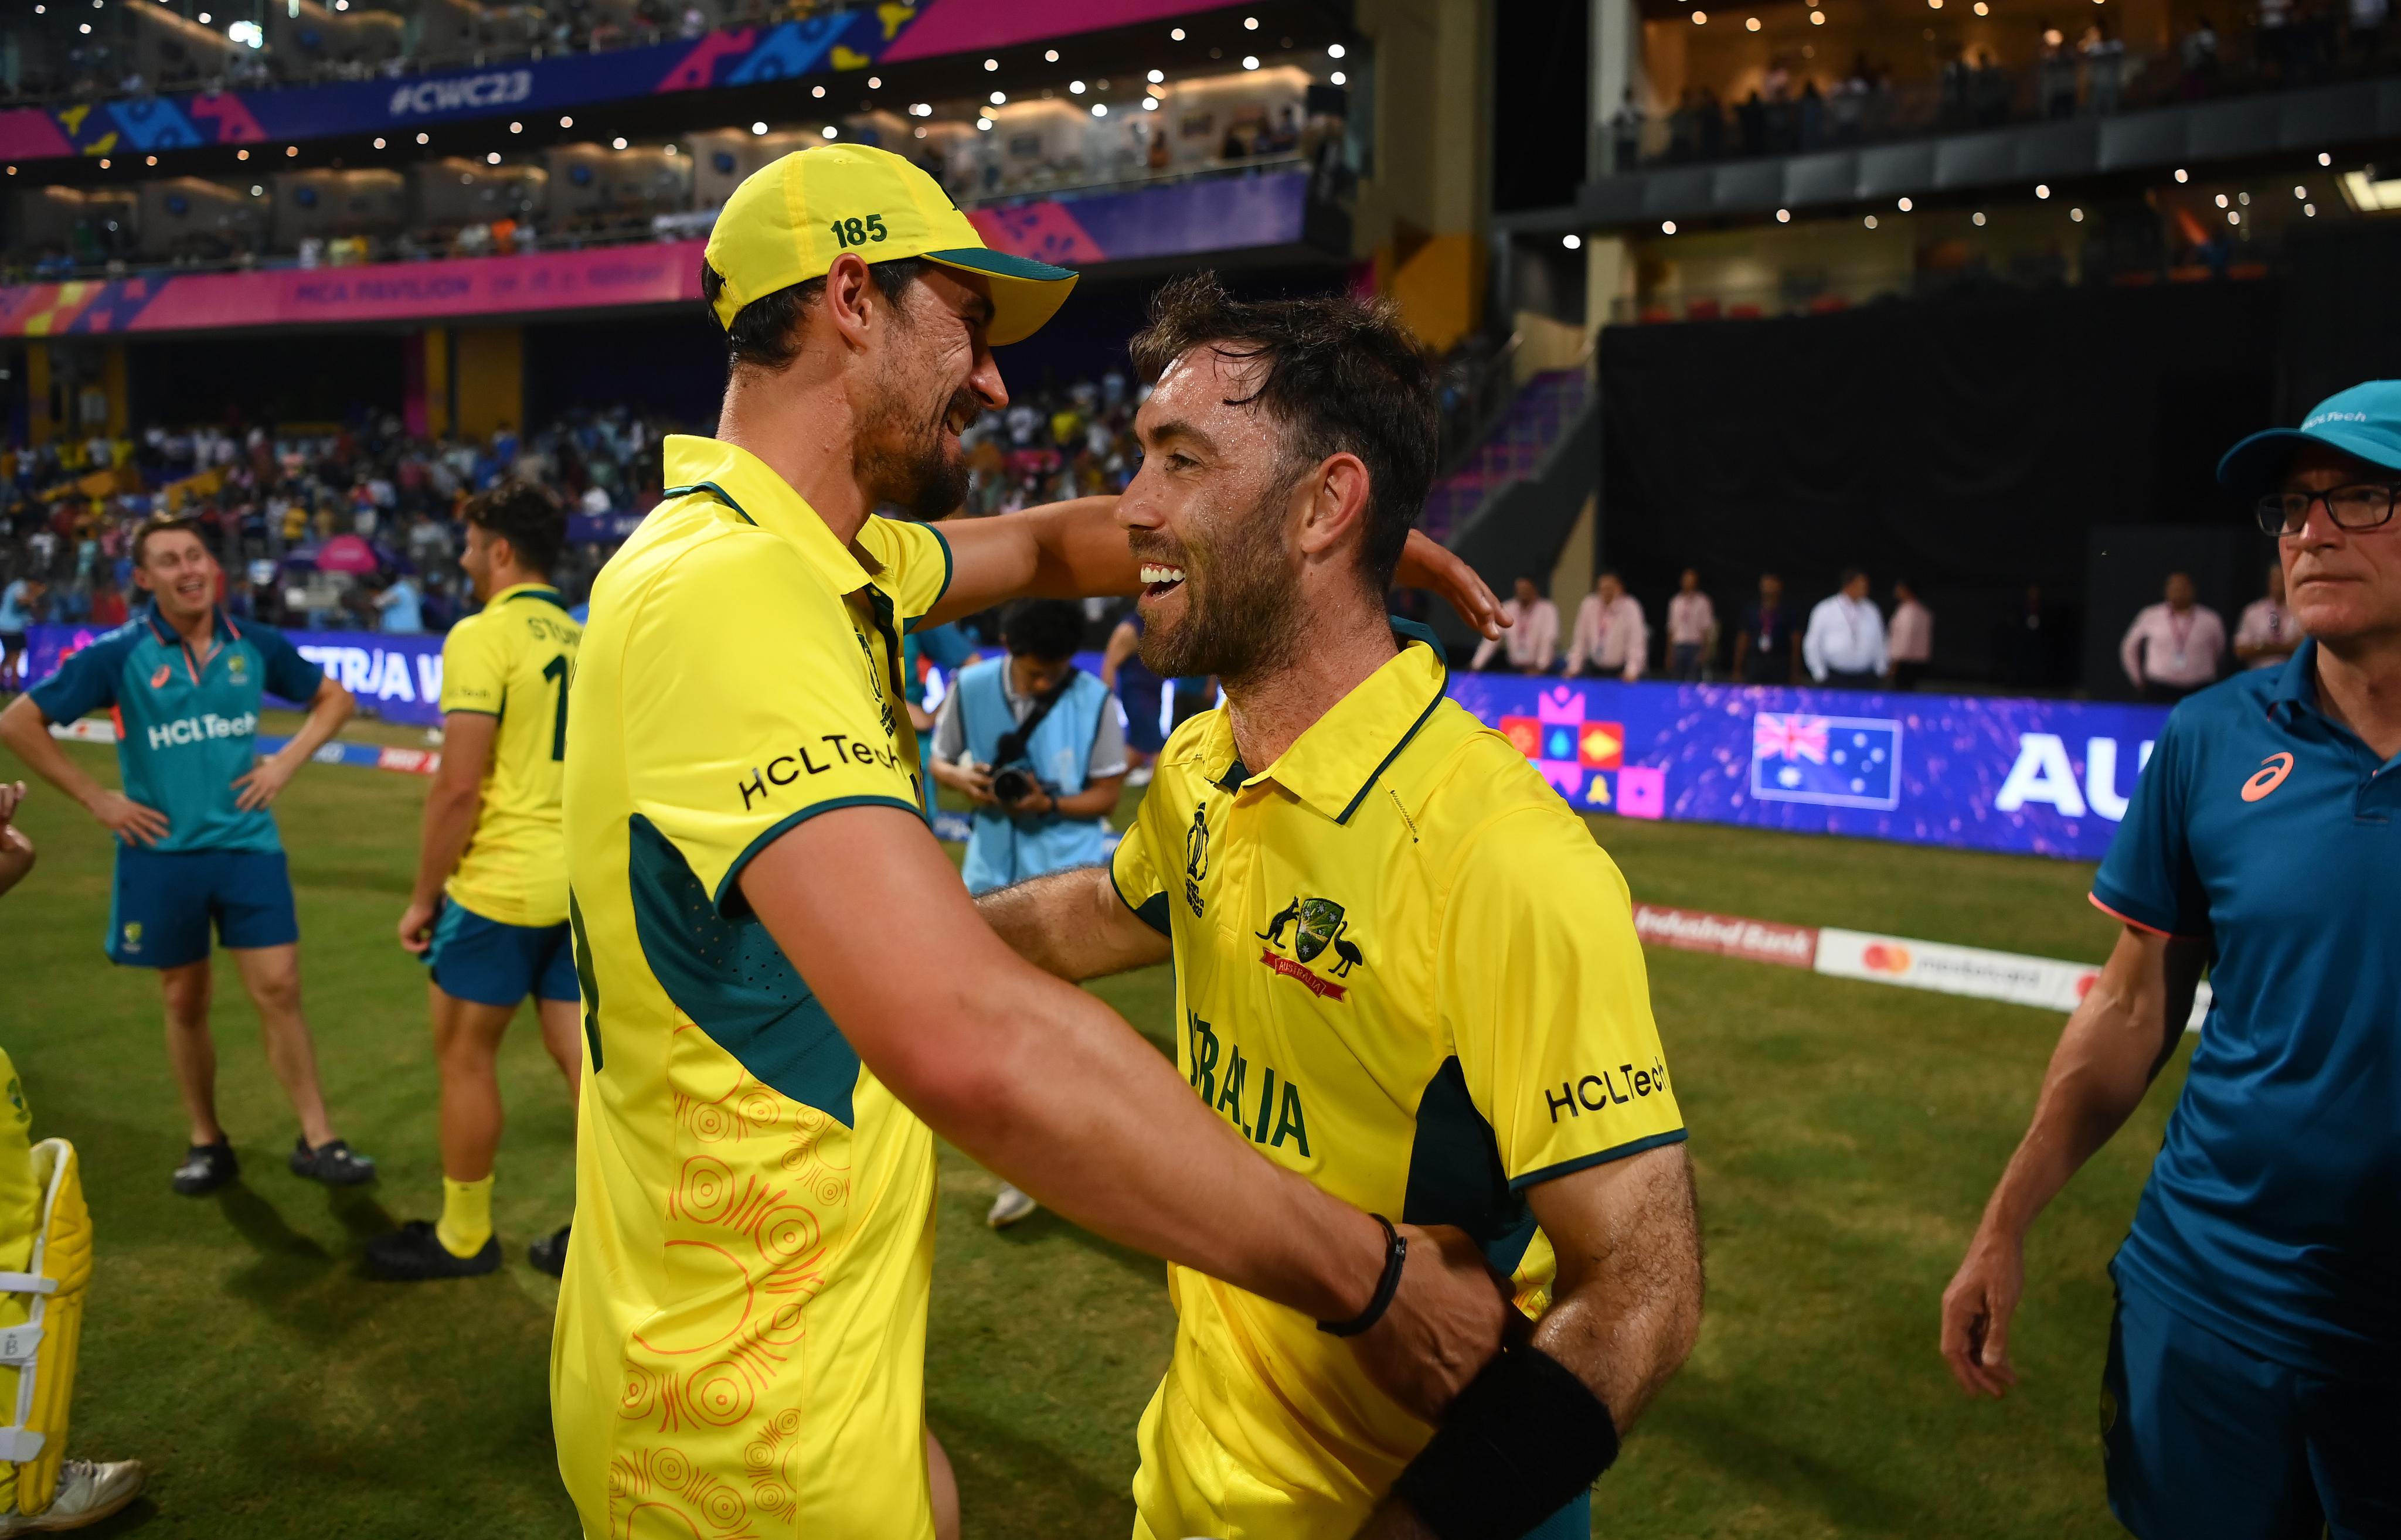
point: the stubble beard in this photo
(906, 457)
(1242, 605)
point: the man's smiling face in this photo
(1208, 519)
(935, 374)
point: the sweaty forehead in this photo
(1197, 387)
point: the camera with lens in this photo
(1014, 786)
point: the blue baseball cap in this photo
(2364, 422)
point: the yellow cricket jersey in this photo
(1404, 970)
(740, 1341)
(511, 660)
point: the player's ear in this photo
(1334, 498)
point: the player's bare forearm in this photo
(328, 709)
(1039, 1081)
(1072, 925)
(1625, 1309)
(2110, 1051)
(1060, 550)
(27, 733)
(454, 799)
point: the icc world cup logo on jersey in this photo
(1195, 856)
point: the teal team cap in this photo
(2364, 422)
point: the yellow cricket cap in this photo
(787, 222)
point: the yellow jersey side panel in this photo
(512, 661)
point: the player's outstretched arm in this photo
(1077, 549)
(2107, 1056)
(27, 733)
(1072, 925)
(1624, 1313)
(328, 709)
(1050, 1088)
(451, 804)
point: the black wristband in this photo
(1396, 1251)
(1517, 1446)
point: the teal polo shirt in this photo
(2271, 833)
(185, 727)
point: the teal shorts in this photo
(477, 959)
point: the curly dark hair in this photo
(1341, 374)
(525, 515)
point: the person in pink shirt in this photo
(1909, 644)
(1533, 635)
(2266, 635)
(1692, 625)
(1611, 635)
(2174, 648)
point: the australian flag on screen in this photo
(1840, 761)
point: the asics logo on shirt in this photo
(2276, 766)
(196, 730)
(159, 680)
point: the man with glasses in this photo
(2248, 1387)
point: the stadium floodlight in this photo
(1339, 78)
(150, 160)
(1051, 56)
(1150, 104)
(1783, 216)
(2042, 189)
(2324, 159)
(291, 150)
(999, 99)
(2232, 218)
(204, 15)
(1250, 61)
(1700, 19)
(1870, 222)
(1751, 25)
(1573, 241)
(1334, 51)
(85, 28)
(1176, 34)
(2310, 210)
(567, 122)
(104, 166)
(617, 143)
(759, 128)
(516, 128)
(1904, 205)
(2221, 200)
(1156, 77)
(1983, 10)
(1816, 19)
(1667, 226)
(874, 82)
(992, 63)
(493, 159)
(241, 154)
(1100, 109)
(2180, 175)
(2302, 194)
(1250, 24)
(984, 123)
(1074, 88)
(1977, 219)
(258, 191)
(2076, 216)
(829, 131)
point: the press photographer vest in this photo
(1002, 850)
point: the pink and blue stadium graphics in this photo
(1181, 219)
(844, 40)
(1985, 772)
(1988, 772)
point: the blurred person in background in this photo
(1533, 638)
(23, 606)
(16, 849)
(2247, 1393)
(488, 914)
(2173, 648)
(1142, 695)
(1692, 627)
(196, 845)
(1610, 636)
(1767, 648)
(1844, 645)
(2266, 635)
(400, 608)
(108, 608)
(1034, 743)
(1910, 646)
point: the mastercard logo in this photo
(1885, 957)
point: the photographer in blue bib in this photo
(1039, 746)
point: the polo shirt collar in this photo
(745, 484)
(516, 591)
(2296, 682)
(167, 636)
(1337, 762)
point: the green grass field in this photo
(1845, 1135)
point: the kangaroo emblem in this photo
(1274, 934)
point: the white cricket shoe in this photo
(1006, 1210)
(88, 1491)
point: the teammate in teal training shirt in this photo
(196, 842)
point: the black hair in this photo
(1341, 375)
(767, 332)
(527, 516)
(1048, 629)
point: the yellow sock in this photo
(466, 1217)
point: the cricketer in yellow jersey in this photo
(1404, 969)
(489, 913)
(780, 974)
